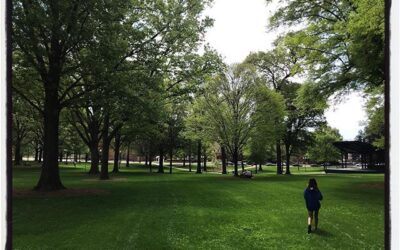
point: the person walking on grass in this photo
(312, 196)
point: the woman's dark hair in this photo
(312, 183)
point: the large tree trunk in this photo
(198, 157)
(223, 155)
(127, 156)
(50, 174)
(94, 158)
(190, 158)
(170, 161)
(241, 162)
(205, 161)
(235, 161)
(151, 163)
(278, 158)
(40, 155)
(116, 152)
(36, 152)
(161, 161)
(17, 156)
(287, 147)
(105, 149)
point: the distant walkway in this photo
(187, 170)
(353, 170)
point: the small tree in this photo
(322, 149)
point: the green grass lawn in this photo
(192, 211)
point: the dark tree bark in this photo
(146, 159)
(94, 157)
(260, 168)
(105, 149)
(86, 157)
(60, 159)
(75, 157)
(235, 161)
(190, 159)
(184, 161)
(116, 152)
(21, 130)
(198, 157)
(50, 174)
(151, 163)
(17, 156)
(36, 152)
(287, 147)
(278, 158)
(205, 161)
(127, 156)
(223, 155)
(161, 161)
(50, 44)
(40, 155)
(170, 161)
(241, 162)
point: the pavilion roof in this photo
(355, 147)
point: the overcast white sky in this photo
(240, 27)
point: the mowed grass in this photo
(199, 211)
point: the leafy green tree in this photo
(341, 44)
(70, 142)
(229, 106)
(269, 119)
(87, 122)
(303, 112)
(375, 128)
(21, 127)
(322, 149)
(277, 68)
(50, 38)
(175, 125)
(194, 129)
(67, 43)
(336, 40)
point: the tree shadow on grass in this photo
(280, 178)
(322, 233)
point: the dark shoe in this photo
(309, 229)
